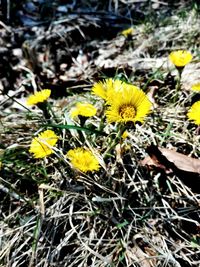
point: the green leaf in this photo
(78, 128)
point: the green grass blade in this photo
(78, 128)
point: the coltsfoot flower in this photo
(83, 109)
(129, 104)
(83, 159)
(41, 146)
(38, 97)
(180, 58)
(105, 88)
(194, 113)
(128, 32)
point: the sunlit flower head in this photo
(180, 58)
(41, 146)
(130, 104)
(38, 97)
(196, 87)
(105, 88)
(194, 113)
(83, 160)
(83, 109)
(128, 32)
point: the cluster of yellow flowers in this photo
(43, 145)
(124, 103)
(180, 59)
(82, 159)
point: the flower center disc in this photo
(127, 112)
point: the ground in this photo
(133, 199)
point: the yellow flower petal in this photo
(107, 88)
(41, 146)
(180, 58)
(196, 87)
(83, 160)
(83, 109)
(38, 97)
(117, 86)
(129, 104)
(194, 113)
(125, 135)
(100, 89)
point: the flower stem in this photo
(113, 144)
(178, 84)
(47, 111)
(50, 110)
(102, 121)
(43, 106)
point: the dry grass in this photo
(125, 214)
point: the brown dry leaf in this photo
(151, 161)
(181, 161)
(163, 157)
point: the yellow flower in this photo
(83, 109)
(196, 87)
(38, 97)
(41, 146)
(105, 88)
(180, 58)
(194, 113)
(101, 88)
(128, 32)
(129, 104)
(83, 160)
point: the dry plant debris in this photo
(87, 92)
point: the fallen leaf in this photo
(181, 161)
(183, 166)
(151, 161)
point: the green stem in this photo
(47, 111)
(43, 106)
(113, 144)
(50, 110)
(102, 121)
(178, 84)
(36, 236)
